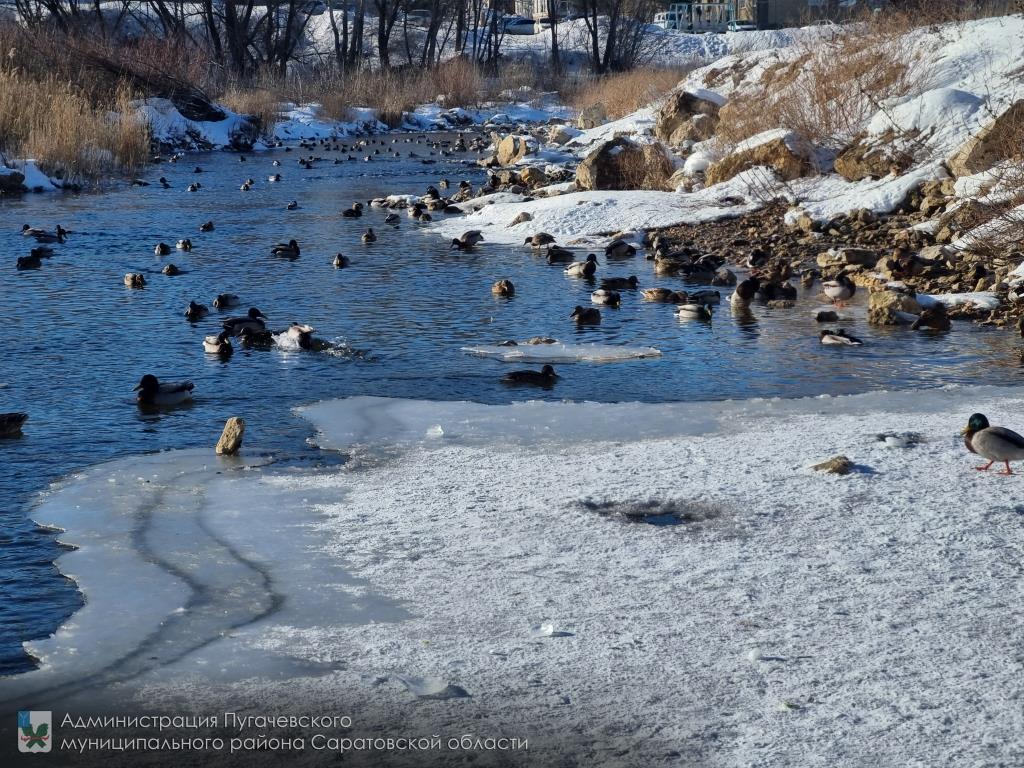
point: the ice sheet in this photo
(562, 353)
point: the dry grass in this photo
(828, 91)
(626, 92)
(65, 132)
(262, 102)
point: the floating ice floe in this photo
(562, 353)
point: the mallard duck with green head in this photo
(992, 443)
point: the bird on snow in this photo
(992, 443)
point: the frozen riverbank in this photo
(789, 618)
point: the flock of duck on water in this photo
(768, 280)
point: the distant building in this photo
(772, 14)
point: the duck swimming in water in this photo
(992, 443)
(289, 250)
(665, 295)
(694, 312)
(340, 261)
(354, 212)
(586, 315)
(253, 319)
(206, 227)
(558, 255)
(392, 218)
(619, 283)
(840, 337)
(745, 292)
(218, 345)
(152, 392)
(162, 249)
(606, 297)
(545, 377)
(184, 245)
(195, 311)
(583, 268)
(619, 249)
(11, 424)
(225, 301)
(503, 288)
(369, 236)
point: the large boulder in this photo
(871, 158)
(592, 116)
(513, 148)
(1001, 139)
(11, 181)
(624, 164)
(679, 109)
(532, 176)
(562, 134)
(780, 150)
(891, 308)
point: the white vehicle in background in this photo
(741, 26)
(517, 25)
(676, 17)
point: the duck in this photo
(253, 338)
(558, 255)
(194, 187)
(184, 245)
(289, 250)
(539, 240)
(992, 443)
(274, 177)
(11, 424)
(41, 251)
(225, 300)
(165, 183)
(934, 317)
(135, 280)
(253, 319)
(583, 268)
(171, 270)
(195, 311)
(152, 392)
(503, 288)
(745, 291)
(839, 290)
(354, 212)
(467, 240)
(664, 295)
(706, 297)
(586, 315)
(691, 311)
(340, 261)
(218, 345)
(606, 297)
(619, 249)
(292, 205)
(162, 249)
(392, 218)
(840, 337)
(42, 236)
(620, 283)
(369, 236)
(545, 377)
(206, 227)
(301, 334)
(29, 262)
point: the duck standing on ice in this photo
(992, 443)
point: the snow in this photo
(791, 618)
(168, 125)
(982, 299)
(588, 214)
(562, 353)
(35, 179)
(636, 125)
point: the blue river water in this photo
(77, 340)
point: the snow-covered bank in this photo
(789, 618)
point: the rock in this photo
(838, 465)
(784, 153)
(698, 128)
(562, 134)
(806, 223)
(513, 148)
(847, 257)
(533, 176)
(993, 143)
(623, 164)
(891, 308)
(781, 304)
(520, 218)
(827, 316)
(724, 277)
(592, 116)
(677, 112)
(679, 178)
(11, 181)
(231, 438)
(871, 158)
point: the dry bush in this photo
(828, 90)
(260, 101)
(627, 92)
(65, 132)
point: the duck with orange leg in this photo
(992, 443)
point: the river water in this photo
(78, 340)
